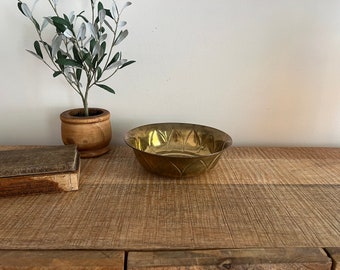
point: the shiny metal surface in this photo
(177, 149)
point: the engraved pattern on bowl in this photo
(177, 149)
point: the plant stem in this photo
(113, 43)
(113, 73)
(92, 10)
(86, 107)
(54, 8)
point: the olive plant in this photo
(83, 47)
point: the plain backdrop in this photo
(267, 72)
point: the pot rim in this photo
(69, 116)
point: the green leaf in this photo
(100, 6)
(122, 23)
(109, 26)
(101, 15)
(60, 56)
(122, 35)
(78, 74)
(37, 49)
(33, 53)
(125, 5)
(68, 62)
(94, 61)
(101, 59)
(114, 59)
(108, 13)
(59, 28)
(76, 54)
(92, 44)
(88, 60)
(25, 9)
(103, 48)
(69, 25)
(96, 48)
(57, 73)
(20, 7)
(93, 30)
(99, 73)
(82, 32)
(115, 13)
(81, 16)
(117, 64)
(107, 88)
(44, 23)
(56, 43)
(47, 47)
(71, 18)
(60, 24)
(68, 33)
(127, 63)
(62, 21)
(36, 24)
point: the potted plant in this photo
(82, 49)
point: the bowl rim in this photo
(228, 142)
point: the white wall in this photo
(265, 71)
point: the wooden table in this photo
(275, 208)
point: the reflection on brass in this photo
(177, 149)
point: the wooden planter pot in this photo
(91, 134)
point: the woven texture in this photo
(254, 197)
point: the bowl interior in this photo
(178, 139)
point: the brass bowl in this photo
(177, 149)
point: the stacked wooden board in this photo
(42, 169)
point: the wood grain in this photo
(40, 169)
(244, 202)
(58, 259)
(334, 253)
(38, 160)
(233, 259)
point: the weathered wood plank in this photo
(334, 253)
(42, 169)
(256, 197)
(65, 260)
(234, 259)
(38, 160)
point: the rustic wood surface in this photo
(334, 253)
(254, 197)
(34, 169)
(240, 259)
(61, 259)
(49, 183)
(38, 160)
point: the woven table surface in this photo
(254, 197)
